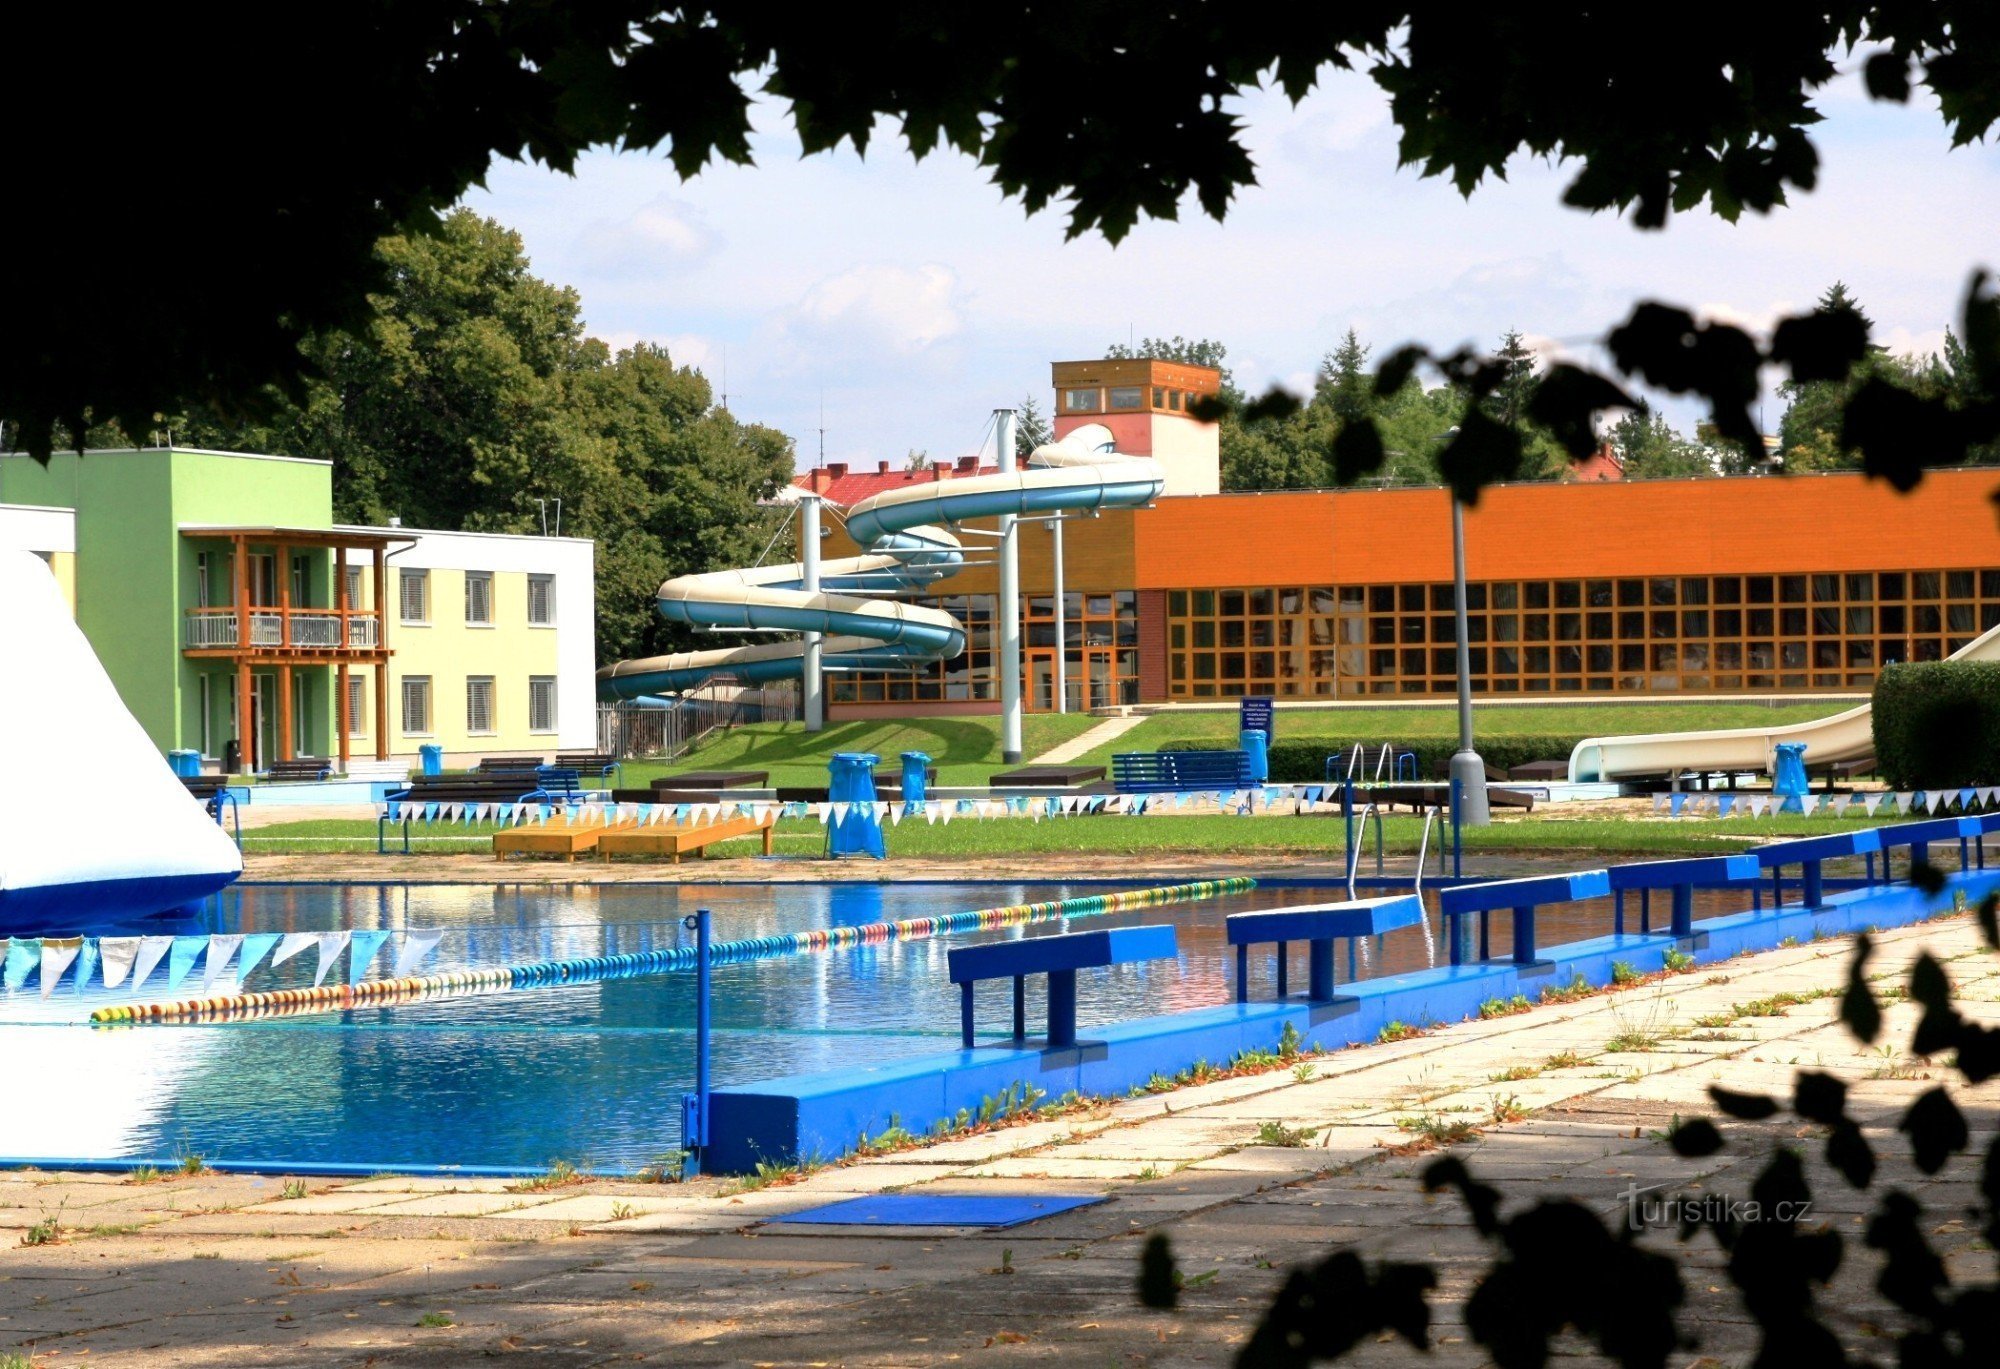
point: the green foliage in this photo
(1653, 449)
(471, 393)
(1504, 1007)
(1937, 724)
(1273, 1133)
(1302, 760)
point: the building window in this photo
(203, 592)
(354, 587)
(416, 705)
(415, 595)
(479, 705)
(479, 598)
(542, 600)
(357, 706)
(541, 703)
(1126, 397)
(1080, 401)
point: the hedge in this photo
(1303, 759)
(1937, 725)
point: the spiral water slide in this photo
(910, 546)
(1848, 736)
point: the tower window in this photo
(1080, 401)
(1126, 397)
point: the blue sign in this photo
(1257, 714)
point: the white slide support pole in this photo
(812, 697)
(1062, 623)
(1010, 603)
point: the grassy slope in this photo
(964, 750)
(1162, 835)
(1410, 724)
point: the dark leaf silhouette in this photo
(1822, 345)
(1888, 76)
(1848, 1151)
(1567, 403)
(1274, 403)
(1324, 1311)
(1927, 877)
(1357, 451)
(1695, 1138)
(1396, 369)
(1482, 452)
(1936, 1129)
(1858, 1008)
(1988, 917)
(1912, 1274)
(1819, 1097)
(1481, 1200)
(1751, 1107)
(1159, 1280)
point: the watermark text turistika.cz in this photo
(1654, 1207)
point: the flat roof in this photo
(304, 537)
(407, 533)
(169, 451)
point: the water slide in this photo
(909, 548)
(1848, 736)
(95, 829)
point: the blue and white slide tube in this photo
(95, 827)
(909, 546)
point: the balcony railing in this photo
(274, 629)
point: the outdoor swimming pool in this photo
(588, 1073)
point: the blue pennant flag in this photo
(1723, 803)
(361, 952)
(24, 956)
(181, 958)
(1675, 802)
(86, 962)
(256, 946)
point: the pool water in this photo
(591, 1073)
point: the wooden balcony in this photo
(317, 634)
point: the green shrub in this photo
(1937, 725)
(1302, 760)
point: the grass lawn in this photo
(1150, 836)
(964, 750)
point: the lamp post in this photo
(1062, 622)
(1467, 769)
(812, 697)
(1010, 603)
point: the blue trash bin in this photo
(432, 756)
(1253, 741)
(1788, 777)
(851, 780)
(916, 776)
(186, 764)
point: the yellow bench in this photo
(664, 840)
(565, 839)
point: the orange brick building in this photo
(1759, 584)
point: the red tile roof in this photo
(841, 484)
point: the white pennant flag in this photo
(1758, 805)
(152, 950)
(1937, 799)
(117, 954)
(1839, 803)
(416, 946)
(824, 812)
(948, 812)
(1901, 800)
(331, 944)
(57, 953)
(881, 811)
(221, 950)
(931, 813)
(1808, 802)
(1986, 797)
(896, 815)
(293, 943)
(1870, 802)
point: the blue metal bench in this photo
(1158, 772)
(1918, 836)
(1059, 957)
(1523, 896)
(1808, 853)
(559, 781)
(1680, 878)
(1319, 925)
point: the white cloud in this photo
(664, 234)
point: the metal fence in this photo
(670, 729)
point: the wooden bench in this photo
(1047, 777)
(663, 839)
(1548, 772)
(508, 765)
(496, 787)
(1679, 878)
(1807, 853)
(598, 763)
(1059, 957)
(715, 779)
(1319, 925)
(304, 768)
(1161, 772)
(1522, 896)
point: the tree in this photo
(918, 460)
(472, 392)
(118, 322)
(1345, 385)
(1652, 449)
(1188, 351)
(1031, 430)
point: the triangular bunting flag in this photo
(23, 956)
(1937, 800)
(57, 953)
(256, 946)
(1839, 804)
(1807, 803)
(416, 945)
(221, 950)
(1675, 802)
(180, 959)
(361, 953)
(86, 963)
(1758, 805)
(331, 944)
(151, 949)
(1870, 802)
(293, 943)
(1723, 804)
(1900, 800)
(118, 954)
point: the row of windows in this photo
(1101, 636)
(1656, 634)
(1093, 399)
(480, 705)
(413, 597)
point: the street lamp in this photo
(1467, 769)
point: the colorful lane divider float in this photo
(1909, 803)
(462, 983)
(129, 961)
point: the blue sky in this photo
(913, 299)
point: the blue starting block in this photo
(1679, 878)
(1808, 853)
(1059, 957)
(1523, 896)
(1319, 925)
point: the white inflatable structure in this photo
(95, 827)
